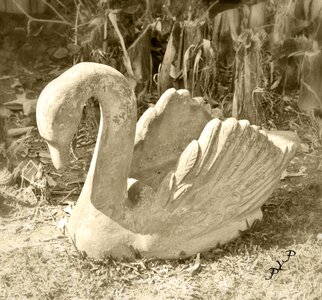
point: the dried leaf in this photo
(276, 83)
(57, 71)
(206, 47)
(311, 90)
(73, 49)
(4, 111)
(195, 71)
(29, 107)
(14, 104)
(19, 131)
(44, 154)
(61, 53)
(61, 224)
(22, 103)
(301, 172)
(320, 166)
(195, 268)
(168, 70)
(126, 58)
(51, 182)
(185, 67)
(68, 209)
(174, 74)
(305, 148)
(284, 175)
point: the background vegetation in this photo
(258, 60)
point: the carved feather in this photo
(234, 173)
(187, 161)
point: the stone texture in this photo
(163, 132)
(214, 175)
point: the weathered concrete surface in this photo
(163, 132)
(204, 195)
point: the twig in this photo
(310, 89)
(16, 218)
(148, 9)
(75, 181)
(105, 35)
(62, 200)
(126, 57)
(35, 214)
(76, 21)
(41, 20)
(63, 193)
(80, 253)
(61, 4)
(54, 10)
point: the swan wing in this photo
(163, 132)
(222, 179)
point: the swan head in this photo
(58, 115)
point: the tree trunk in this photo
(248, 80)
(310, 98)
(311, 88)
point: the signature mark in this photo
(274, 271)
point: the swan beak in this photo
(59, 155)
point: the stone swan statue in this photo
(198, 181)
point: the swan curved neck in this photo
(61, 105)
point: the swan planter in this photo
(174, 184)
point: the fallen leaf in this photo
(195, 268)
(217, 113)
(61, 223)
(68, 209)
(276, 83)
(301, 172)
(29, 107)
(73, 49)
(305, 148)
(284, 175)
(27, 226)
(14, 104)
(320, 166)
(45, 161)
(57, 71)
(19, 131)
(44, 154)
(4, 111)
(61, 53)
(51, 182)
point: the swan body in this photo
(194, 181)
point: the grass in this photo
(37, 260)
(42, 263)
